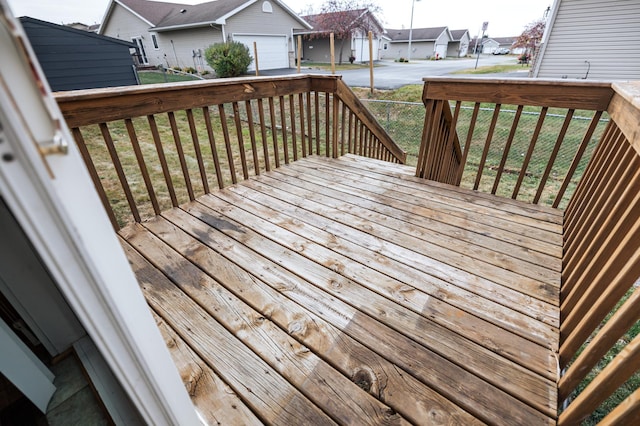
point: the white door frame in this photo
(54, 201)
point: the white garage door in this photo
(273, 51)
(441, 50)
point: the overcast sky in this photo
(505, 17)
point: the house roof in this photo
(83, 33)
(456, 35)
(172, 16)
(417, 34)
(317, 20)
(505, 41)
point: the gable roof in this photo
(505, 41)
(417, 34)
(317, 20)
(163, 16)
(76, 31)
(456, 35)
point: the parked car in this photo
(501, 51)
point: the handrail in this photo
(164, 143)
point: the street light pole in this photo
(413, 3)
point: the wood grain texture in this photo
(558, 94)
(329, 274)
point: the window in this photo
(266, 7)
(154, 40)
(141, 54)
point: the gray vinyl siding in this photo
(606, 34)
(460, 48)
(319, 50)
(181, 52)
(74, 59)
(419, 50)
(125, 25)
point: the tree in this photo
(531, 37)
(344, 18)
(229, 59)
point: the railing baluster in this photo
(467, 144)
(227, 143)
(429, 119)
(352, 134)
(283, 125)
(317, 117)
(342, 129)
(450, 151)
(263, 133)
(527, 157)
(252, 135)
(274, 132)
(142, 165)
(327, 126)
(613, 330)
(163, 159)
(243, 155)
(181, 158)
(487, 145)
(334, 125)
(212, 143)
(577, 157)
(303, 141)
(507, 148)
(106, 135)
(294, 135)
(554, 154)
(309, 123)
(82, 146)
(196, 148)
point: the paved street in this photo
(391, 75)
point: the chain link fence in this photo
(404, 122)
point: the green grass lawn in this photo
(493, 69)
(153, 77)
(339, 67)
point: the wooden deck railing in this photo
(599, 307)
(151, 147)
(502, 136)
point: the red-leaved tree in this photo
(531, 37)
(344, 18)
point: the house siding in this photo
(73, 59)
(460, 48)
(253, 20)
(590, 32)
(419, 50)
(176, 48)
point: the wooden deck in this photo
(348, 291)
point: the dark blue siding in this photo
(74, 59)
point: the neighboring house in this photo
(426, 43)
(316, 43)
(80, 26)
(591, 39)
(489, 45)
(76, 59)
(459, 45)
(176, 35)
(507, 43)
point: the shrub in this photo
(229, 59)
(190, 70)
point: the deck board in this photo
(311, 280)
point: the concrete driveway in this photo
(391, 75)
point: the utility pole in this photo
(413, 3)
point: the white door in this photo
(273, 50)
(441, 50)
(361, 48)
